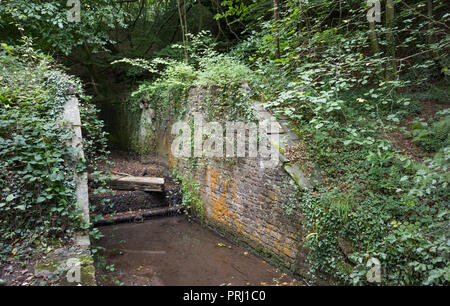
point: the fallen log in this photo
(140, 216)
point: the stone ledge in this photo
(297, 175)
(72, 266)
(80, 251)
(71, 118)
(287, 138)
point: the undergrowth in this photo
(37, 189)
(373, 199)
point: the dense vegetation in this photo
(348, 84)
(37, 198)
(346, 100)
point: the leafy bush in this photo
(434, 137)
(37, 198)
(344, 99)
(220, 75)
(47, 22)
(168, 91)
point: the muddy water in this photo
(174, 251)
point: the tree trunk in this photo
(373, 15)
(373, 38)
(430, 24)
(277, 39)
(391, 66)
(183, 29)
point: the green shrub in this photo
(373, 200)
(37, 190)
(434, 137)
(220, 76)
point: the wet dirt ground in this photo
(175, 251)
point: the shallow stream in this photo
(174, 251)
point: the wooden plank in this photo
(155, 184)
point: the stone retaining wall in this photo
(245, 201)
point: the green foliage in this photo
(219, 75)
(223, 78)
(168, 91)
(344, 99)
(37, 189)
(48, 24)
(434, 137)
(343, 95)
(192, 201)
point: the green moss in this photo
(49, 265)
(344, 267)
(57, 266)
(86, 260)
(88, 275)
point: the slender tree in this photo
(430, 24)
(183, 25)
(276, 34)
(391, 67)
(373, 16)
